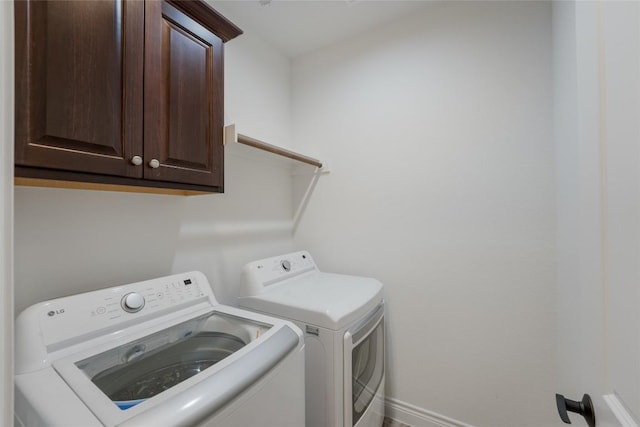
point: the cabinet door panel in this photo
(183, 98)
(187, 62)
(79, 85)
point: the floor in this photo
(388, 422)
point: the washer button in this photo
(133, 302)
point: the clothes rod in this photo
(261, 145)
(231, 135)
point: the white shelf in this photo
(254, 148)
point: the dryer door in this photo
(364, 369)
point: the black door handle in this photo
(584, 408)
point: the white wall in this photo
(439, 129)
(257, 85)
(6, 215)
(69, 241)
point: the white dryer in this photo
(161, 352)
(343, 321)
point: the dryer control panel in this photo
(269, 271)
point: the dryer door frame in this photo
(371, 329)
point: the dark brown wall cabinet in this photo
(121, 92)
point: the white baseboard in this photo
(619, 410)
(418, 417)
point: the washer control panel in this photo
(64, 318)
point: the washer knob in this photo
(132, 302)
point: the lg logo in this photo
(54, 312)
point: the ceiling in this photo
(297, 27)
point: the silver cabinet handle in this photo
(154, 163)
(136, 160)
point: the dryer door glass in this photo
(367, 370)
(139, 370)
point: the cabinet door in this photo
(183, 99)
(79, 81)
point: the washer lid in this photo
(328, 300)
(126, 367)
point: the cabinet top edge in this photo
(207, 16)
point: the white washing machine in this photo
(343, 320)
(161, 352)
